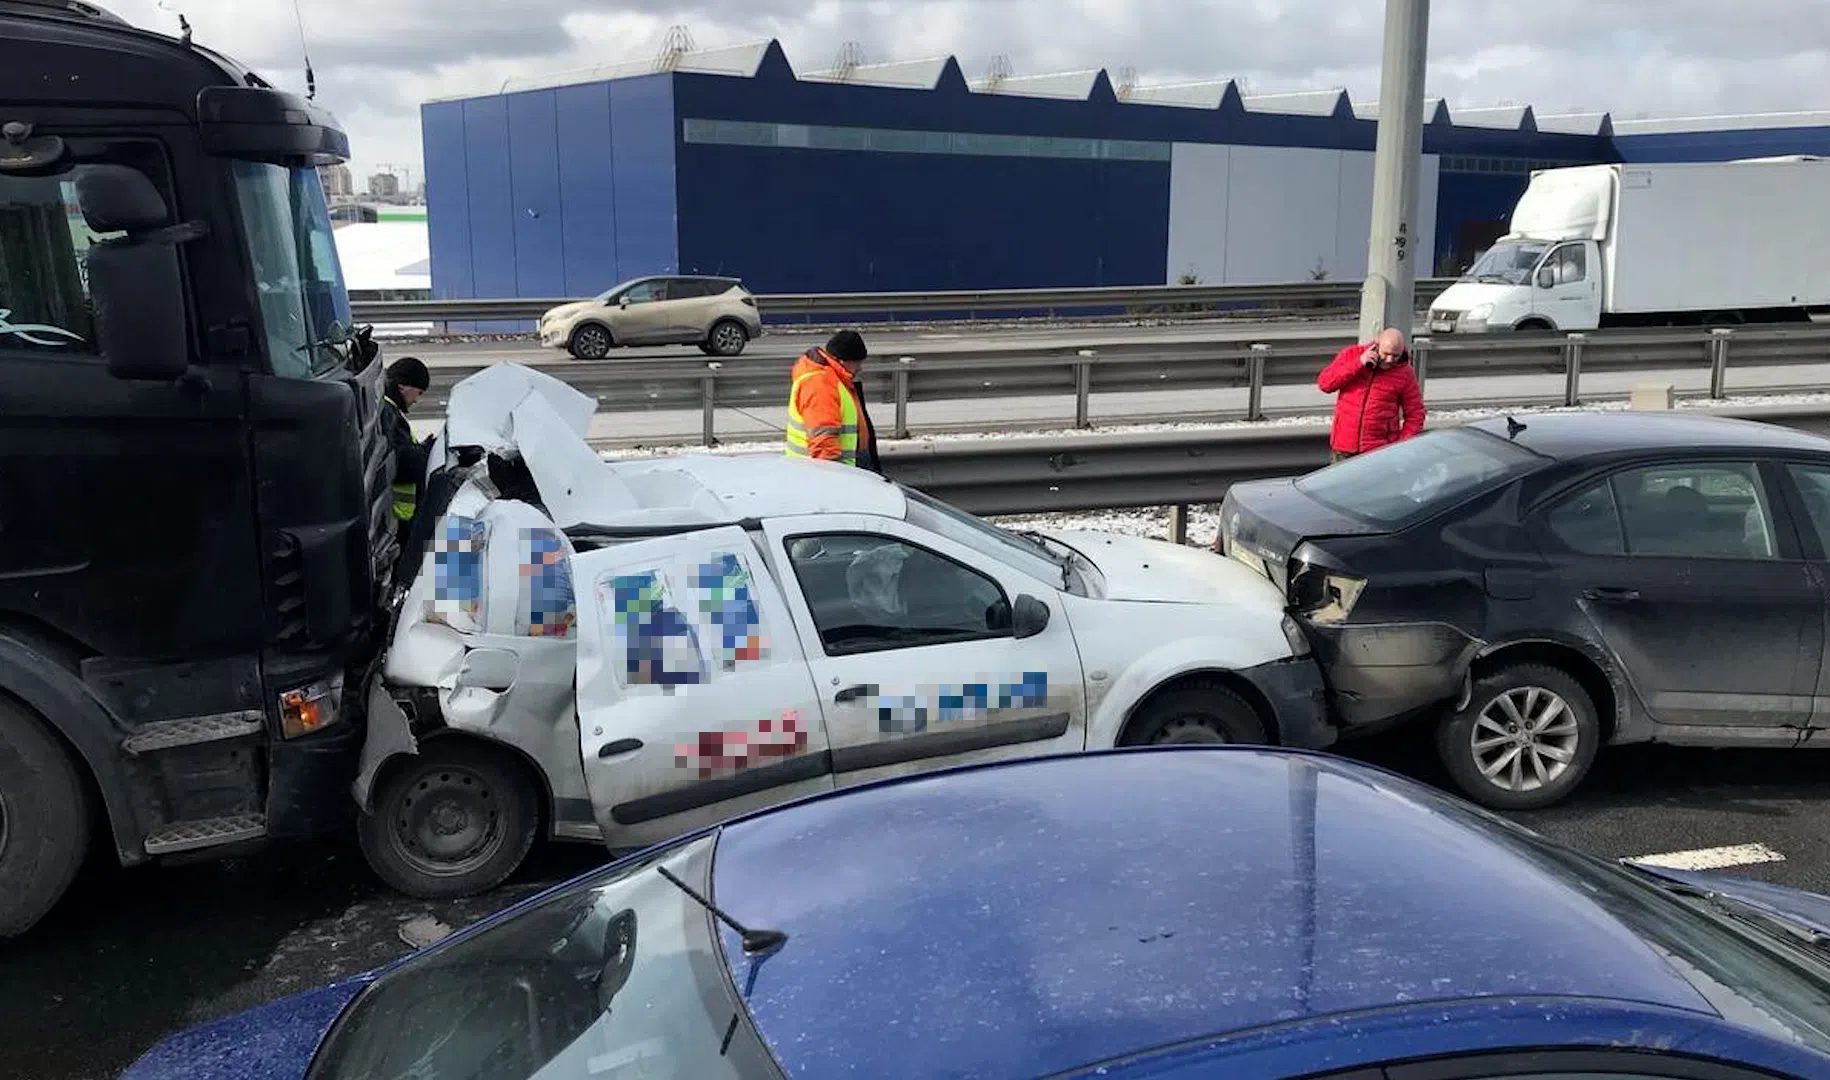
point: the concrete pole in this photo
(1391, 258)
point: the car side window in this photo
(1704, 510)
(645, 292)
(870, 593)
(1814, 488)
(1588, 522)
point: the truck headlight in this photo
(310, 708)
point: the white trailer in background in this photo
(1719, 243)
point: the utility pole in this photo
(1391, 258)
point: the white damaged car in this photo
(620, 652)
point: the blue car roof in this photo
(1042, 915)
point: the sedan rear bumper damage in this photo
(1299, 698)
(1382, 673)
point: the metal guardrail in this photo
(710, 387)
(1170, 468)
(1152, 299)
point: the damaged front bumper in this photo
(1299, 698)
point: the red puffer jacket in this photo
(1375, 406)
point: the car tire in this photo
(1542, 779)
(44, 820)
(727, 337)
(454, 820)
(590, 342)
(1205, 714)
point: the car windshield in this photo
(614, 975)
(1416, 476)
(1749, 975)
(293, 251)
(1508, 262)
(1024, 553)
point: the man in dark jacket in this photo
(1378, 401)
(407, 379)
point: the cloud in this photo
(375, 62)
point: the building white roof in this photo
(1753, 121)
(1189, 95)
(901, 74)
(391, 255)
(1435, 110)
(1066, 85)
(1499, 118)
(1587, 123)
(1299, 103)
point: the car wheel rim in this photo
(1189, 730)
(1525, 739)
(727, 338)
(592, 341)
(448, 823)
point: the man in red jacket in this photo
(1379, 401)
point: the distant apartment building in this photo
(338, 183)
(384, 185)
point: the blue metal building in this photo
(907, 176)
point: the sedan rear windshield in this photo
(1415, 477)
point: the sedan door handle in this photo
(851, 693)
(1610, 595)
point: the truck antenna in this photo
(311, 80)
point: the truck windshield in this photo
(304, 303)
(1509, 262)
(614, 974)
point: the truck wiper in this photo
(754, 941)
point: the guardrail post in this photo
(1254, 381)
(1718, 361)
(708, 391)
(1572, 368)
(1420, 359)
(1083, 388)
(902, 396)
(1178, 523)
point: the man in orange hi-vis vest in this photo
(827, 420)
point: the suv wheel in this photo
(728, 337)
(590, 342)
(1525, 740)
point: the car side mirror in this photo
(1028, 617)
(135, 280)
(622, 301)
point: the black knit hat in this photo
(847, 345)
(409, 371)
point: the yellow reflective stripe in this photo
(798, 433)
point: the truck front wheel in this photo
(454, 820)
(44, 820)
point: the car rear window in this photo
(1418, 476)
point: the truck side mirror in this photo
(134, 280)
(1028, 617)
(1547, 277)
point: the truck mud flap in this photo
(389, 733)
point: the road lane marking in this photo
(1714, 858)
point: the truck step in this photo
(165, 734)
(208, 832)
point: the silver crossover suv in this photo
(715, 313)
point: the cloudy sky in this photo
(376, 60)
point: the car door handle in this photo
(1610, 595)
(851, 693)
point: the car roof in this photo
(1583, 434)
(717, 489)
(1045, 914)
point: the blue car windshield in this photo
(616, 975)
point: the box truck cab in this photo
(1669, 244)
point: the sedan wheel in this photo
(1525, 740)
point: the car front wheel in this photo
(591, 342)
(454, 820)
(1206, 714)
(1527, 737)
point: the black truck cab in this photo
(196, 541)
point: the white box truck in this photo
(1717, 243)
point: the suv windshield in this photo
(1509, 262)
(1416, 476)
(1021, 552)
(293, 252)
(616, 974)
